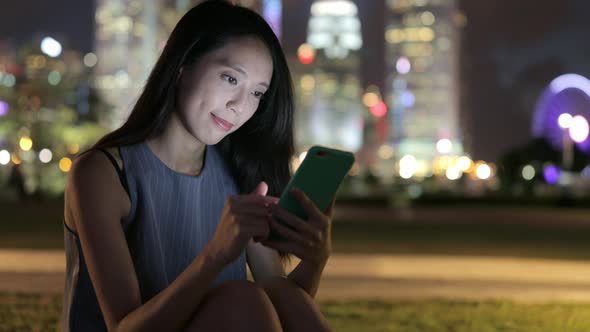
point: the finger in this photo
(297, 223)
(261, 189)
(252, 210)
(306, 203)
(255, 199)
(251, 220)
(289, 233)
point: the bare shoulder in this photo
(93, 178)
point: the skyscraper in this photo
(326, 78)
(129, 37)
(421, 52)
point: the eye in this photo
(258, 94)
(232, 80)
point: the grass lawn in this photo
(42, 313)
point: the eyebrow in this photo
(238, 68)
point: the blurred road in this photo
(373, 276)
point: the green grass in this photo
(29, 312)
(20, 312)
(456, 316)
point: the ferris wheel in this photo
(563, 112)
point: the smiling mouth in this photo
(222, 123)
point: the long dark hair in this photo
(260, 150)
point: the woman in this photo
(162, 215)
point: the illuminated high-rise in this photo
(421, 54)
(129, 37)
(326, 78)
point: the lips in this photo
(222, 123)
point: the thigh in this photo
(237, 305)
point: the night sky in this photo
(510, 51)
(69, 21)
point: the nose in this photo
(237, 102)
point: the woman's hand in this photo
(309, 240)
(243, 217)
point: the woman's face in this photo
(222, 90)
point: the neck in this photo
(178, 149)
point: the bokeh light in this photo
(528, 172)
(385, 151)
(564, 120)
(65, 164)
(464, 163)
(90, 60)
(427, 18)
(51, 47)
(306, 54)
(25, 143)
(579, 129)
(453, 173)
(4, 157)
(483, 171)
(45, 156)
(403, 65)
(73, 148)
(370, 99)
(407, 99)
(307, 82)
(15, 159)
(551, 174)
(407, 166)
(444, 146)
(54, 77)
(4, 108)
(379, 109)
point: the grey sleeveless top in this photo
(172, 218)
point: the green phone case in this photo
(319, 176)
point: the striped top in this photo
(172, 218)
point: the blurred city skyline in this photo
(437, 93)
(509, 53)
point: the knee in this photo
(238, 305)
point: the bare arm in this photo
(307, 275)
(96, 202)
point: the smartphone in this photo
(319, 176)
